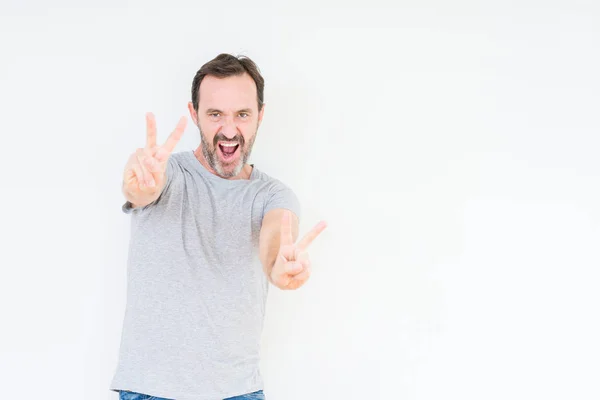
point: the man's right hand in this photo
(145, 173)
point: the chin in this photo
(230, 171)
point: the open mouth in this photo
(228, 150)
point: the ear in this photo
(193, 113)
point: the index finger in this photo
(174, 137)
(150, 131)
(310, 236)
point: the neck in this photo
(244, 173)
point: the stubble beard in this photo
(209, 151)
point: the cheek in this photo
(249, 129)
(209, 130)
(248, 138)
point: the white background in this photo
(451, 146)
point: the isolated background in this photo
(451, 146)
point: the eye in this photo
(214, 114)
(244, 115)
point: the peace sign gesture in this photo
(145, 173)
(292, 266)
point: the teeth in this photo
(228, 144)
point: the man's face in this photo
(228, 119)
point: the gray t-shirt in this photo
(196, 290)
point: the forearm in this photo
(268, 259)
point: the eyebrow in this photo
(214, 110)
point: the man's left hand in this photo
(292, 266)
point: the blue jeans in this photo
(125, 395)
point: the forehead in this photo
(233, 92)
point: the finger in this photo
(286, 238)
(173, 138)
(310, 236)
(287, 253)
(151, 164)
(304, 274)
(293, 267)
(147, 176)
(129, 171)
(150, 131)
(129, 175)
(304, 263)
(137, 170)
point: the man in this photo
(208, 233)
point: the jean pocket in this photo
(126, 395)
(255, 396)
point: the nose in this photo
(229, 128)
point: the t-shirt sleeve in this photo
(281, 196)
(172, 169)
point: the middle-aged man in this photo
(208, 233)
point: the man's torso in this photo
(196, 289)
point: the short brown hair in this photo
(225, 65)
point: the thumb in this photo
(292, 267)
